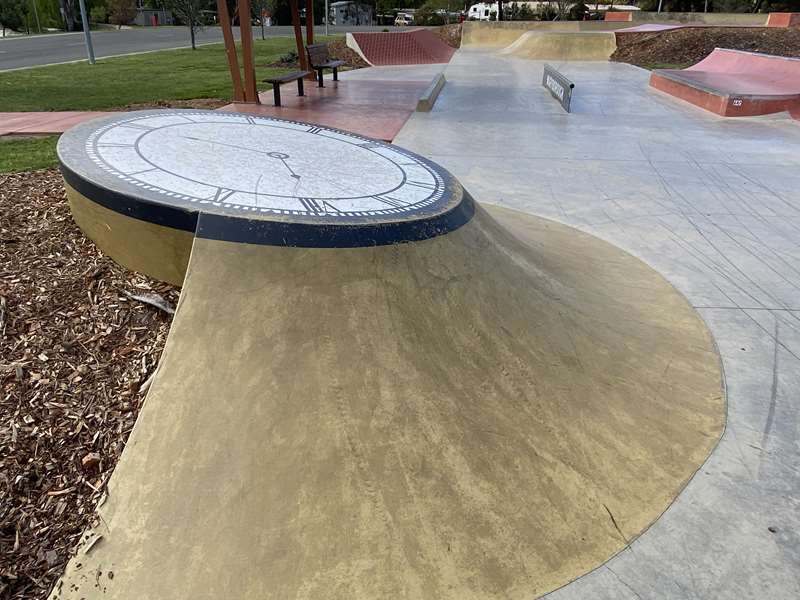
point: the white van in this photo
(403, 20)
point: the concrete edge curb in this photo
(431, 93)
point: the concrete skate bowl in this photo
(412, 47)
(559, 45)
(375, 388)
(733, 83)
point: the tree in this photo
(98, 14)
(259, 7)
(13, 15)
(121, 12)
(190, 13)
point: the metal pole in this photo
(36, 14)
(659, 5)
(86, 33)
(327, 17)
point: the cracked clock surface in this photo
(207, 160)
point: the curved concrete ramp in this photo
(499, 34)
(733, 83)
(412, 47)
(551, 45)
(487, 412)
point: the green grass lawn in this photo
(114, 82)
(27, 154)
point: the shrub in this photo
(98, 14)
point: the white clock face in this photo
(262, 165)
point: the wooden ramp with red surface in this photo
(412, 47)
(733, 83)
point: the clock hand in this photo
(276, 155)
(282, 157)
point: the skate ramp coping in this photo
(552, 45)
(412, 47)
(734, 83)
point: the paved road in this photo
(37, 50)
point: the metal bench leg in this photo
(276, 92)
(319, 76)
(336, 73)
(300, 87)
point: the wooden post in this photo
(309, 21)
(230, 50)
(298, 35)
(246, 29)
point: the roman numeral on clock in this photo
(314, 129)
(313, 206)
(141, 126)
(427, 186)
(223, 194)
(369, 145)
(390, 201)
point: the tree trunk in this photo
(262, 26)
(191, 32)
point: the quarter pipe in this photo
(373, 387)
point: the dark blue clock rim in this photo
(277, 232)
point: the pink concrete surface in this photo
(412, 47)
(617, 16)
(733, 83)
(783, 19)
(372, 108)
(29, 123)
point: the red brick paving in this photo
(373, 108)
(22, 123)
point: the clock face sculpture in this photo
(257, 168)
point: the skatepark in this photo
(498, 347)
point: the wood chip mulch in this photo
(76, 354)
(338, 50)
(199, 103)
(449, 34)
(692, 44)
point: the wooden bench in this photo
(277, 81)
(319, 59)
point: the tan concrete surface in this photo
(549, 45)
(485, 414)
(499, 34)
(161, 252)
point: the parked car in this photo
(403, 20)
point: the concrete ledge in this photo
(431, 93)
(783, 19)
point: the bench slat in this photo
(295, 75)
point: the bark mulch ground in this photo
(337, 49)
(684, 47)
(199, 103)
(450, 34)
(79, 339)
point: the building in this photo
(349, 12)
(148, 17)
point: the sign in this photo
(560, 87)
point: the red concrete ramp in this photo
(733, 83)
(412, 47)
